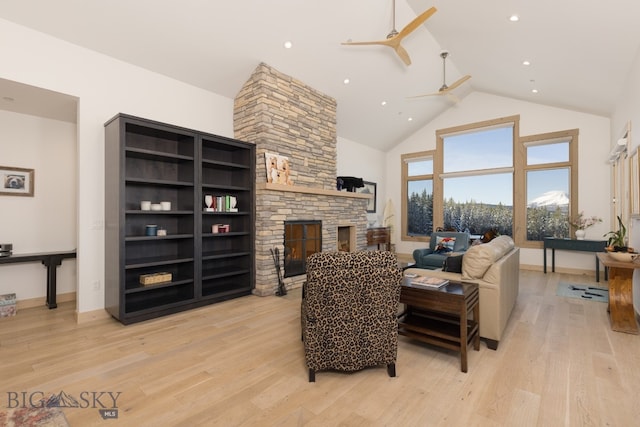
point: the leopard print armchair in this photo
(348, 315)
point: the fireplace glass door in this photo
(301, 239)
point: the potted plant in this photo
(617, 239)
(581, 223)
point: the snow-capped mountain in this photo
(550, 198)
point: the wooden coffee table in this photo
(440, 316)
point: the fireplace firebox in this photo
(302, 238)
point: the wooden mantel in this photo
(310, 190)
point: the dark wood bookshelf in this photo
(148, 160)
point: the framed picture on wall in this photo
(634, 183)
(369, 188)
(16, 181)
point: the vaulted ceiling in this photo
(580, 52)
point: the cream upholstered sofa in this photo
(495, 267)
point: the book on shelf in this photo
(226, 203)
(429, 282)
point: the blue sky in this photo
(469, 151)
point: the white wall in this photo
(104, 87)
(45, 222)
(628, 109)
(594, 131)
(355, 159)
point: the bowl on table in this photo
(624, 256)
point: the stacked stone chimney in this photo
(282, 115)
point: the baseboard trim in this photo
(40, 301)
(90, 316)
(84, 317)
(576, 271)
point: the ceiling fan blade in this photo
(456, 84)
(402, 53)
(446, 91)
(452, 98)
(394, 42)
(449, 95)
(419, 20)
(381, 42)
(425, 95)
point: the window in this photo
(549, 177)
(417, 196)
(483, 176)
(477, 176)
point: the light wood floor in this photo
(241, 362)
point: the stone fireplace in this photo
(301, 240)
(284, 116)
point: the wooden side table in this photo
(572, 245)
(51, 260)
(441, 316)
(621, 312)
(379, 236)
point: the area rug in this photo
(33, 417)
(583, 291)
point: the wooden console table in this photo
(51, 260)
(441, 316)
(621, 312)
(573, 245)
(379, 236)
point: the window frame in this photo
(520, 169)
(405, 159)
(438, 203)
(520, 200)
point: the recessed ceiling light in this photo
(410, 119)
(525, 62)
(383, 103)
(534, 90)
(288, 45)
(345, 81)
(514, 18)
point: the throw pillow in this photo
(453, 264)
(489, 235)
(444, 244)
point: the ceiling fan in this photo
(394, 37)
(444, 89)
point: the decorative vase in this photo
(208, 201)
(580, 234)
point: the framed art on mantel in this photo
(278, 169)
(16, 181)
(369, 188)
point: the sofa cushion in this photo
(479, 258)
(503, 244)
(453, 264)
